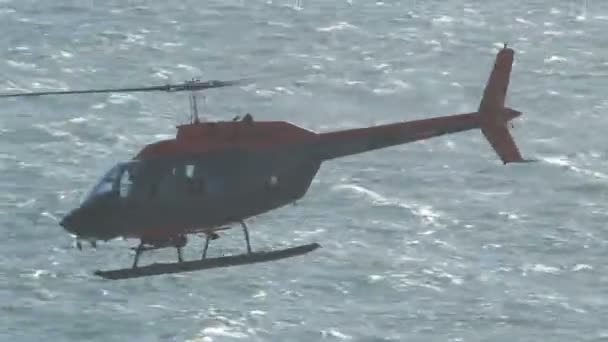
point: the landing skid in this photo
(195, 265)
(204, 263)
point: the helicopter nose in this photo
(88, 223)
(76, 223)
(70, 222)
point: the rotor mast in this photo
(193, 109)
(194, 118)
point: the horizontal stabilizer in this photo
(502, 142)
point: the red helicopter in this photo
(214, 175)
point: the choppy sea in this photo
(429, 241)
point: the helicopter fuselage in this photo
(177, 187)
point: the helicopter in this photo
(215, 175)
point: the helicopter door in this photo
(194, 180)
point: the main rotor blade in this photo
(186, 86)
(66, 92)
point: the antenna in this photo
(193, 109)
(195, 118)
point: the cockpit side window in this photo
(106, 184)
(111, 181)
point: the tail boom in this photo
(359, 140)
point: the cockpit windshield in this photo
(111, 181)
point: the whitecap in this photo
(524, 21)
(425, 212)
(348, 82)
(381, 66)
(509, 215)
(450, 144)
(443, 19)
(121, 98)
(540, 268)
(383, 91)
(191, 69)
(223, 331)
(565, 163)
(279, 23)
(579, 267)
(555, 59)
(374, 278)
(172, 44)
(260, 294)
(265, 93)
(162, 136)
(79, 119)
(26, 203)
(335, 333)
(337, 27)
(284, 90)
(21, 65)
(400, 84)
(553, 33)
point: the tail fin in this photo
(494, 115)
